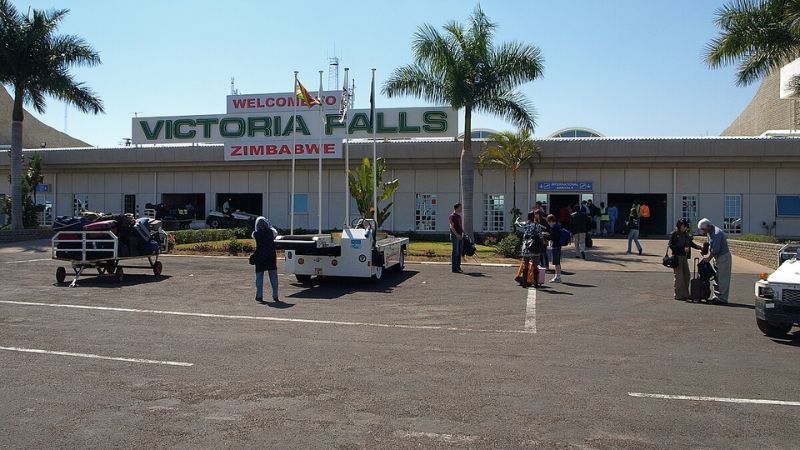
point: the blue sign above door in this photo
(564, 186)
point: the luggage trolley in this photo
(96, 250)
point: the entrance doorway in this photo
(560, 201)
(250, 203)
(655, 225)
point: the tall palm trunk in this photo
(467, 172)
(16, 161)
(514, 213)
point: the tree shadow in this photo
(331, 288)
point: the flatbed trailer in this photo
(357, 253)
(98, 250)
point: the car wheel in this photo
(119, 275)
(402, 263)
(378, 274)
(773, 329)
(214, 223)
(303, 278)
(61, 275)
(157, 267)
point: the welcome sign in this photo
(263, 126)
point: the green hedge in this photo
(755, 238)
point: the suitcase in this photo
(533, 270)
(699, 288)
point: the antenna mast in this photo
(234, 91)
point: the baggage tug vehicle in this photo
(777, 301)
(357, 253)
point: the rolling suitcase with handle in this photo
(699, 288)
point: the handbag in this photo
(252, 259)
(669, 261)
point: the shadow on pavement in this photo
(279, 305)
(566, 283)
(107, 281)
(331, 288)
(476, 274)
(549, 290)
(792, 340)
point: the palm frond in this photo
(511, 106)
(417, 81)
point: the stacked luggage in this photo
(135, 237)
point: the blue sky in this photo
(623, 67)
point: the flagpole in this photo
(374, 158)
(319, 163)
(346, 156)
(294, 140)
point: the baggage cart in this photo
(97, 250)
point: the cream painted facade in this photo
(757, 170)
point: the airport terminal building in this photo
(745, 184)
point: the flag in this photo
(345, 102)
(372, 103)
(302, 94)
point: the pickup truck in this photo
(778, 295)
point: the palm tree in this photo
(760, 36)
(460, 66)
(510, 151)
(34, 62)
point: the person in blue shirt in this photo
(613, 214)
(718, 250)
(555, 239)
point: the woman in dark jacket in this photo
(264, 258)
(681, 245)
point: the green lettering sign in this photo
(176, 126)
(435, 121)
(404, 127)
(206, 123)
(360, 122)
(240, 127)
(149, 134)
(256, 124)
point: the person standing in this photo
(718, 250)
(544, 259)
(555, 242)
(594, 217)
(681, 245)
(226, 207)
(264, 258)
(613, 215)
(633, 230)
(456, 238)
(532, 247)
(603, 219)
(563, 215)
(579, 224)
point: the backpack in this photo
(532, 241)
(565, 238)
(469, 247)
(645, 212)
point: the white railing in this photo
(88, 244)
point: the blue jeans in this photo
(611, 224)
(633, 236)
(273, 280)
(455, 257)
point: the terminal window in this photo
(689, 208)
(301, 203)
(425, 212)
(788, 205)
(493, 212)
(733, 214)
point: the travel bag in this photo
(699, 288)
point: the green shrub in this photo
(192, 236)
(756, 238)
(510, 246)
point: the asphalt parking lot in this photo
(424, 358)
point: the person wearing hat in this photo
(681, 245)
(718, 250)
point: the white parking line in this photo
(266, 318)
(89, 355)
(530, 312)
(714, 399)
(29, 260)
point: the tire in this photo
(402, 263)
(773, 329)
(61, 275)
(303, 278)
(119, 275)
(214, 223)
(378, 274)
(157, 267)
(101, 270)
